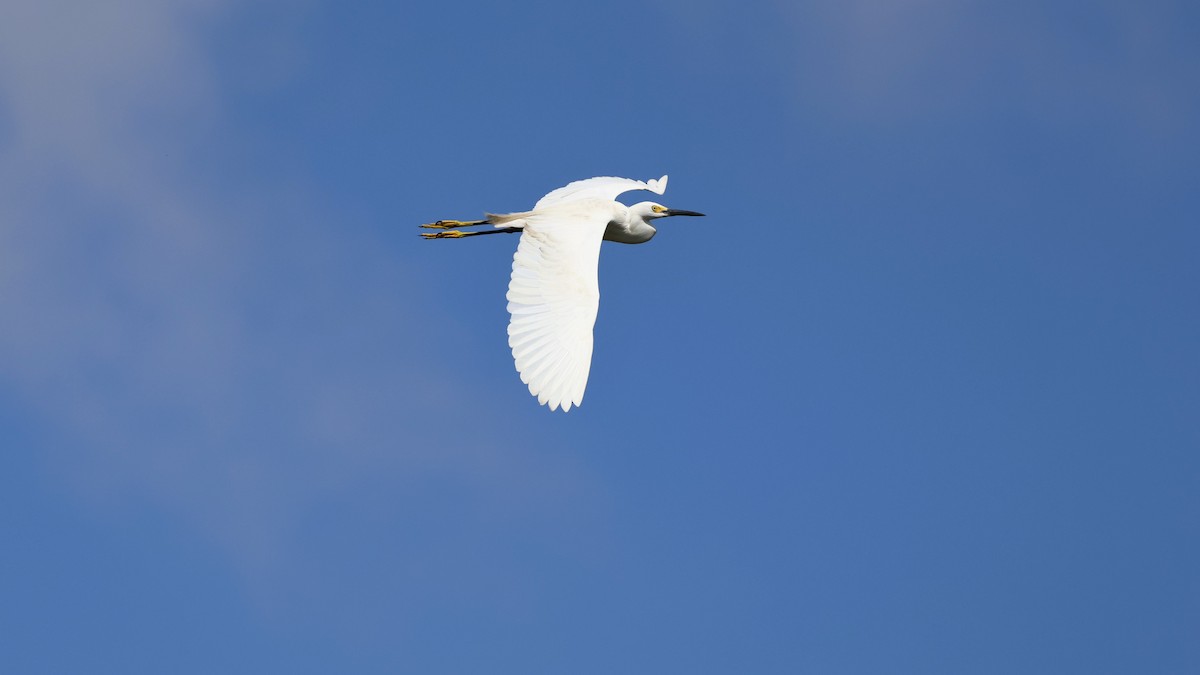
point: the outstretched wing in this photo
(553, 297)
(601, 187)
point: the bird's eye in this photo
(658, 209)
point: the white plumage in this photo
(554, 291)
(607, 188)
(553, 296)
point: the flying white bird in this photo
(553, 294)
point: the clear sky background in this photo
(920, 395)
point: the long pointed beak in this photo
(681, 212)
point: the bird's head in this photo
(648, 211)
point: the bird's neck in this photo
(628, 227)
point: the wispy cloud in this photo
(883, 61)
(150, 320)
(916, 57)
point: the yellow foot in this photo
(447, 224)
(448, 234)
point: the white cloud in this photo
(175, 353)
(884, 61)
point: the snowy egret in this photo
(553, 294)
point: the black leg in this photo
(455, 234)
(447, 224)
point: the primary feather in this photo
(553, 297)
(607, 188)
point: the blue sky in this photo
(920, 395)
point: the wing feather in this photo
(553, 297)
(607, 188)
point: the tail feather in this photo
(508, 219)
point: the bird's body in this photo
(554, 291)
(623, 225)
